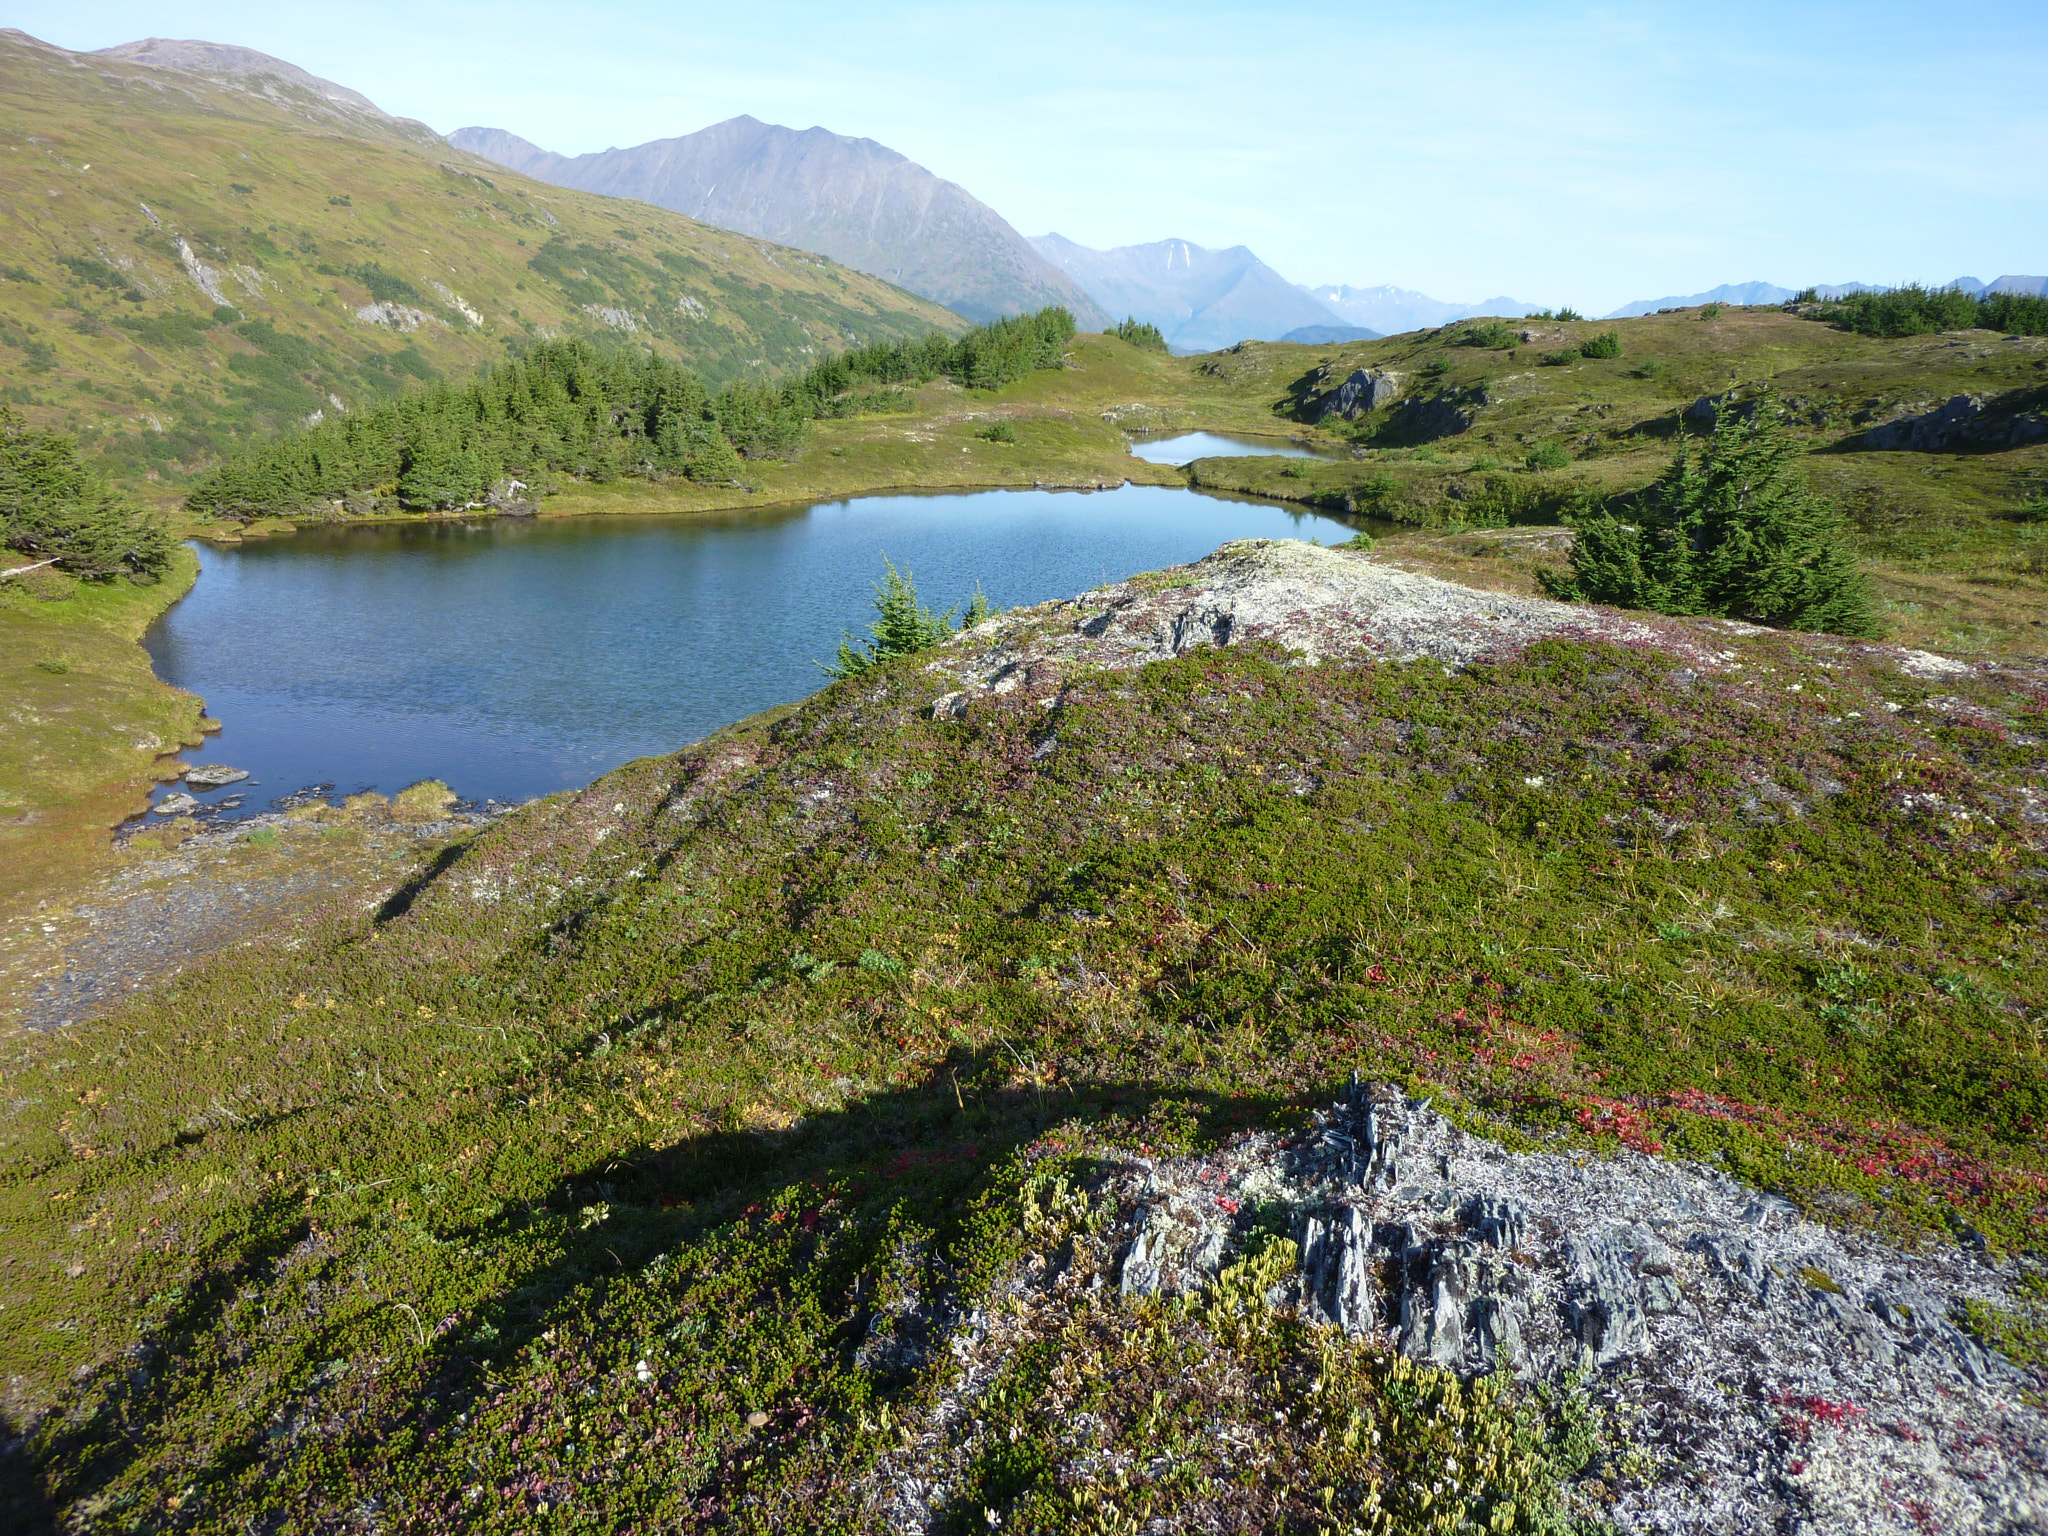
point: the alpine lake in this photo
(511, 658)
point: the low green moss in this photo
(403, 1209)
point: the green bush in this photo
(1141, 334)
(1710, 311)
(1606, 344)
(1547, 456)
(1917, 311)
(1730, 530)
(1490, 333)
(51, 509)
(2017, 314)
(1563, 359)
(998, 432)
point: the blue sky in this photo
(1581, 154)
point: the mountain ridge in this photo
(1391, 311)
(853, 199)
(1200, 299)
(1760, 292)
(204, 250)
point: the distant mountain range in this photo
(1390, 310)
(1330, 335)
(854, 200)
(1770, 293)
(1200, 299)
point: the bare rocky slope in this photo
(854, 200)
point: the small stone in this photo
(214, 775)
(176, 805)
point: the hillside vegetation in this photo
(1933, 447)
(569, 409)
(681, 1152)
(189, 266)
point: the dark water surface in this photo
(1186, 447)
(515, 658)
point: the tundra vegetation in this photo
(639, 1161)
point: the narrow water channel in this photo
(516, 658)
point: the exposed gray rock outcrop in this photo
(1367, 389)
(1964, 421)
(1324, 603)
(1787, 1376)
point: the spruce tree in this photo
(1729, 529)
(902, 627)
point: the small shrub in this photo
(1563, 359)
(1491, 333)
(54, 664)
(1436, 366)
(1295, 472)
(1710, 311)
(1547, 456)
(1650, 370)
(903, 626)
(1606, 344)
(998, 432)
(1806, 296)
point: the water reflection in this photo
(1186, 447)
(515, 658)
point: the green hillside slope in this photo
(189, 262)
(644, 1163)
(1935, 447)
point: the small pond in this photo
(513, 658)
(1186, 447)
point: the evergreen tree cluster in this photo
(1730, 529)
(1917, 311)
(569, 407)
(1142, 334)
(52, 508)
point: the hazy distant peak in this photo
(506, 149)
(1392, 310)
(1200, 299)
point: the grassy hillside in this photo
(634, 1165)
(187, 264)
(87, 721)
(1483, 435)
